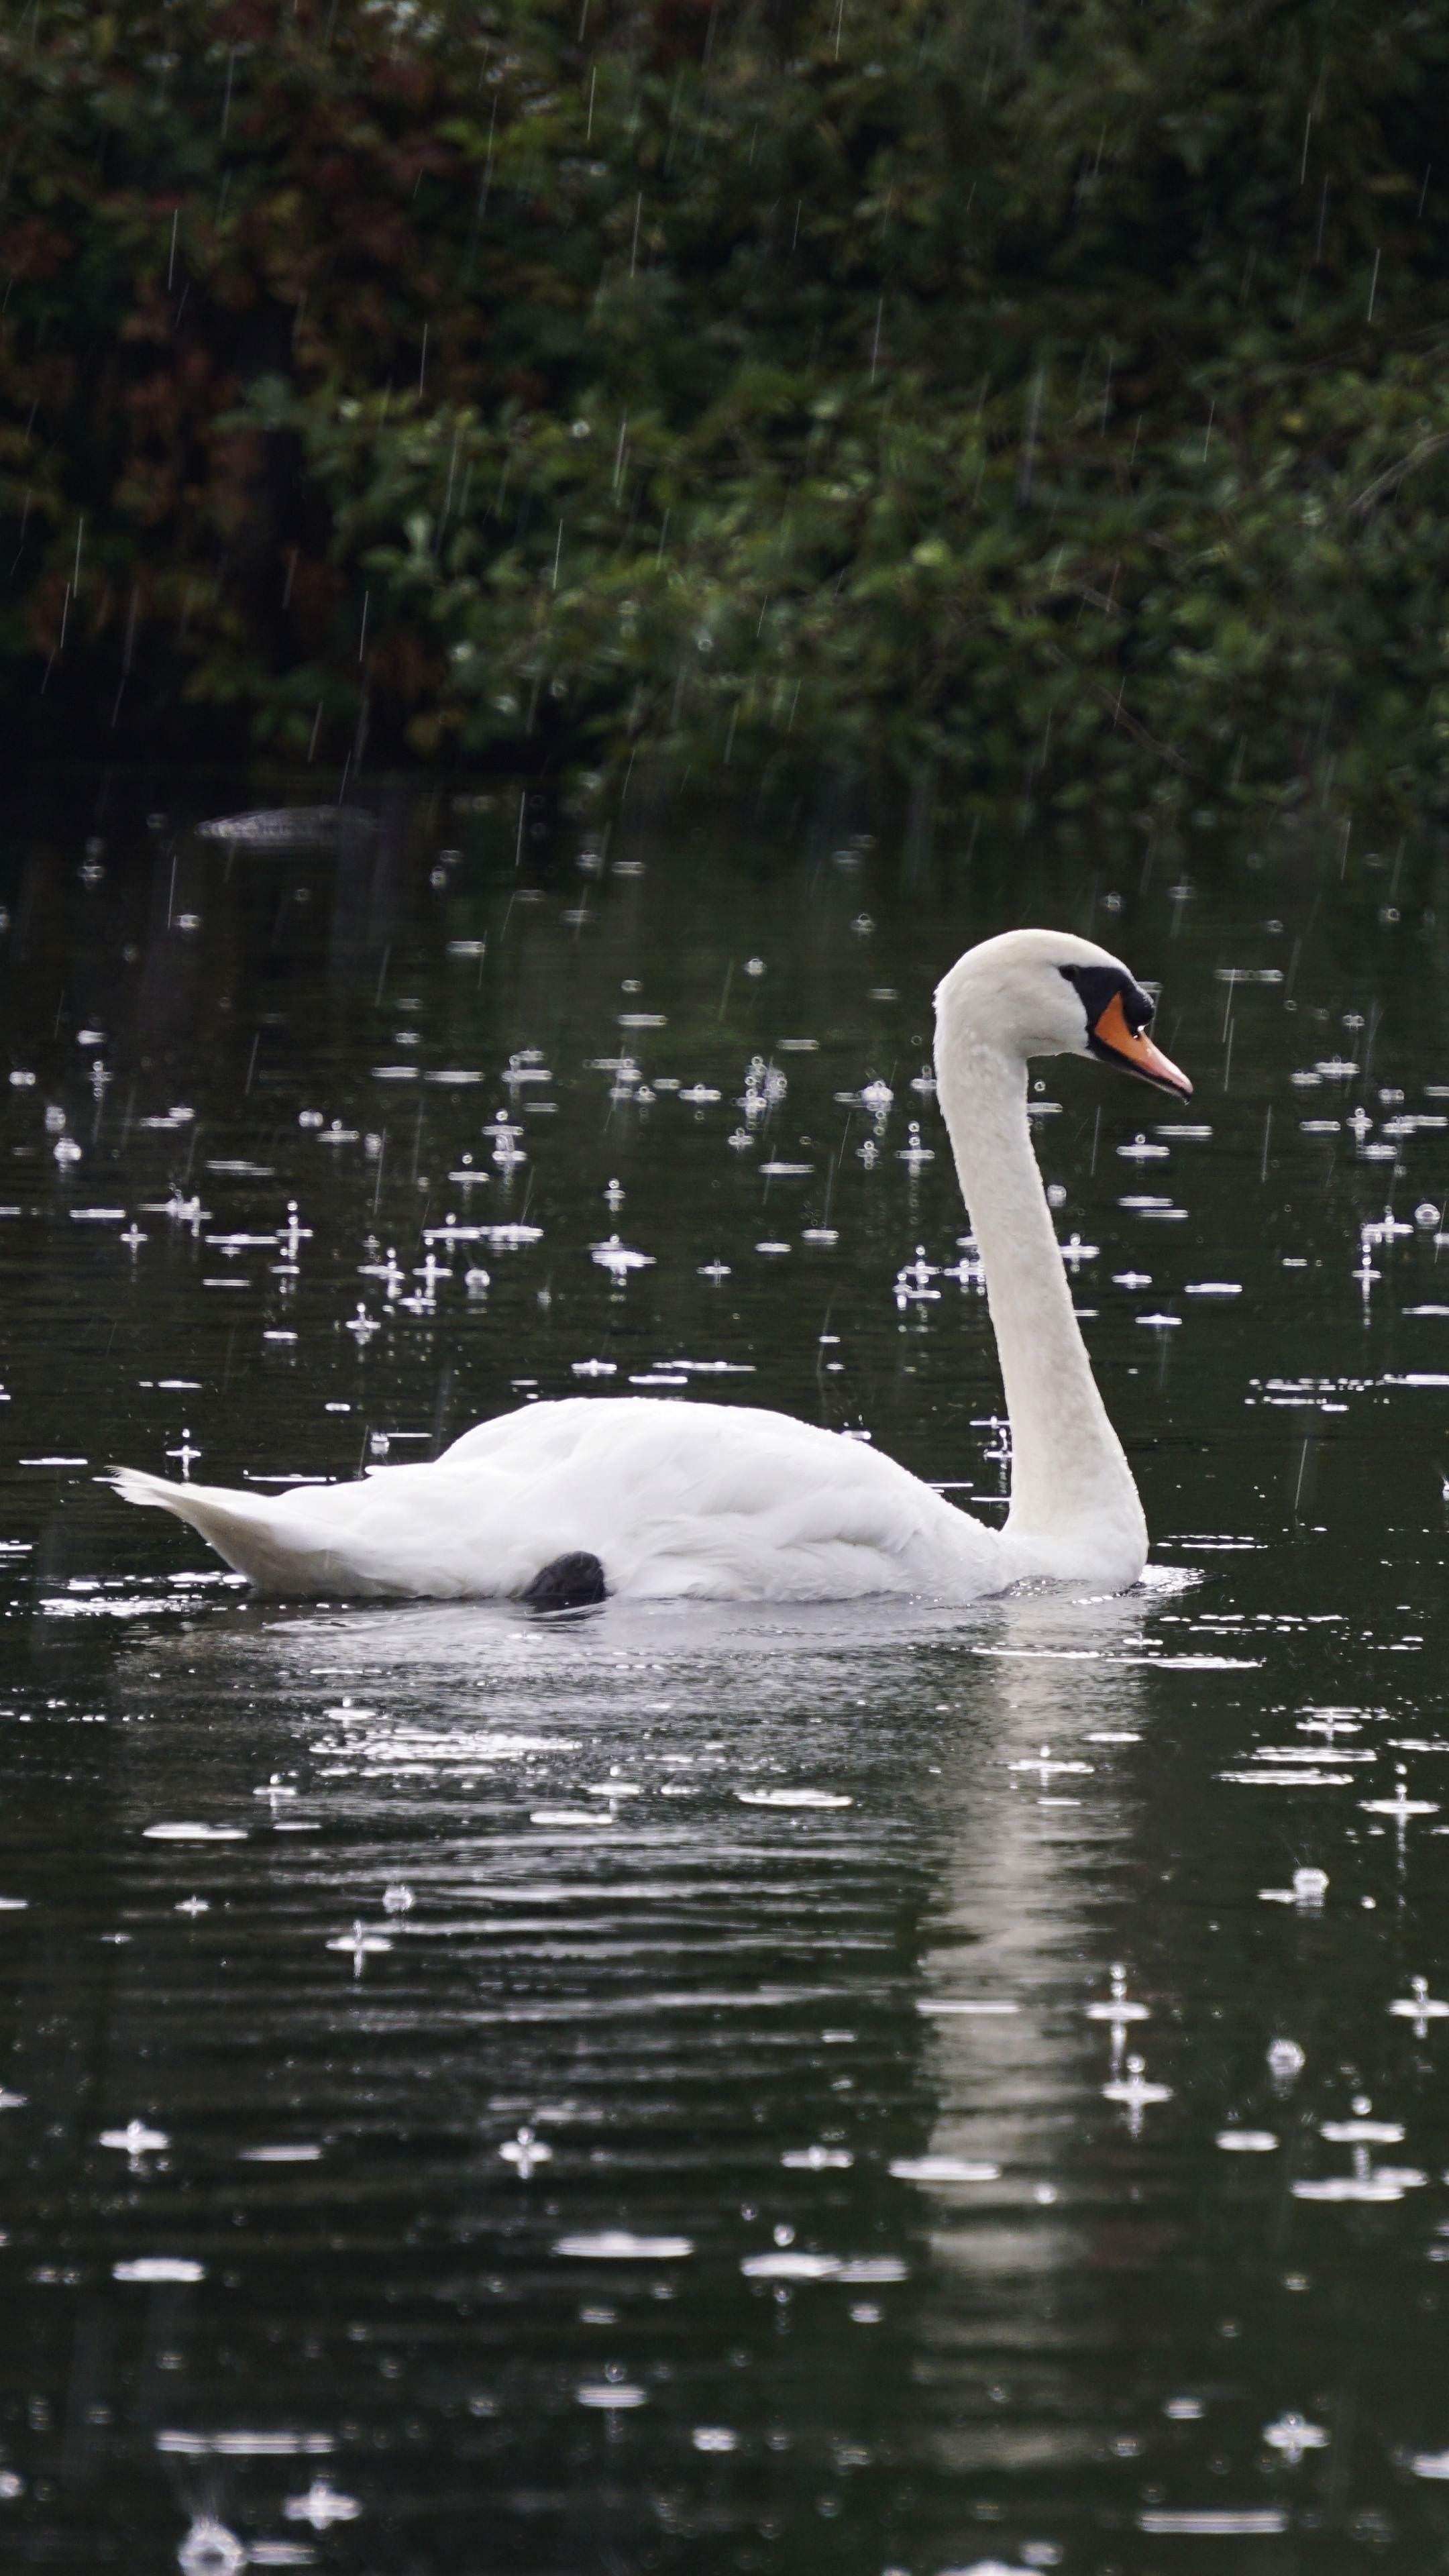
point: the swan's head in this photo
(1044, 992)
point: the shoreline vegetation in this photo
(1048, 404)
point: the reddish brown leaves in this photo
(34, 248)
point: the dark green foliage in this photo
(1051, 399)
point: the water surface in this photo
(700, 2089)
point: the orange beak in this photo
(1112, 1037)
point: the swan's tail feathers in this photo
(240, 1528)
(135, 1486)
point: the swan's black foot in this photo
(573, 1582)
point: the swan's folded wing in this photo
(727, 1502)
(538, 1435)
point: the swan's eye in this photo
(1100, 986)
(1097, 987)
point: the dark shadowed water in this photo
(489, 2097)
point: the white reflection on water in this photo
(1021, 1854)
(423, 1713)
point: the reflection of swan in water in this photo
(1009, 2325)
(409, 1652)
(661, 1956)
(562, 1503)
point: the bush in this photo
(1053, 405)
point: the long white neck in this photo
(1072, 1491)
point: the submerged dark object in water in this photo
(292, 827)
(573, 1582)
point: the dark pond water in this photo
(398, 2173)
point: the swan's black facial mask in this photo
(1119, 1015)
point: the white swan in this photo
(563, 1503)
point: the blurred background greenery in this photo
(1046, 401)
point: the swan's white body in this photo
(717, 1500)
(727, 1502)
